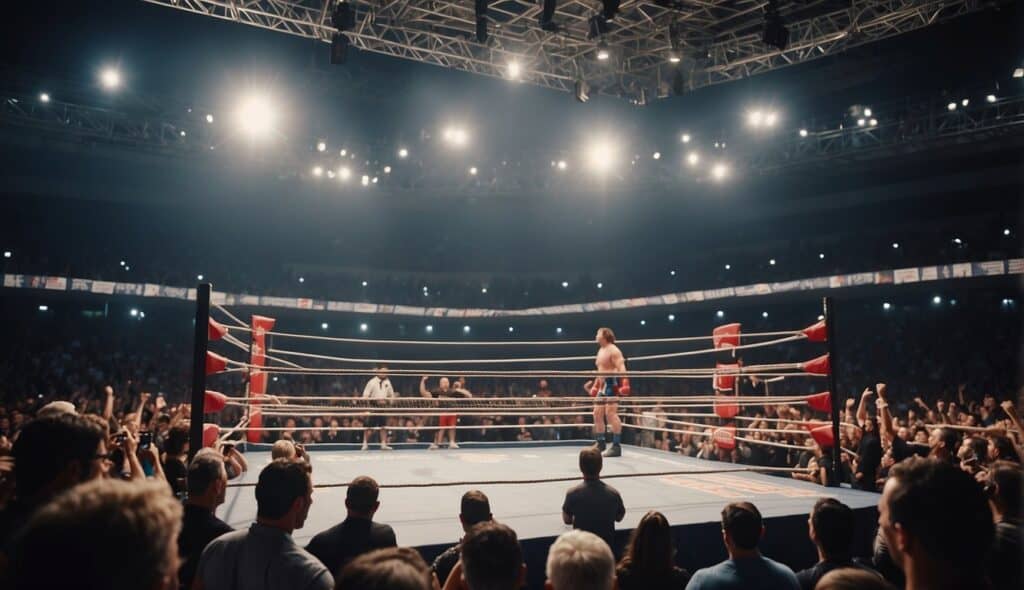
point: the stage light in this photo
(965, 102)
(686, 138)
(772, 262)
(671, 273)
(324, 326)
(720, 313)
(126, 267)
(343, 152)
(365, 180)
(719, 171)
(951, 106)
(936, 300)
(873, 122)
(643, 322)
(344, 174)
(1018, 73)
(821, 256)
(330, 173)
(483, 289)
(1006, 232)
(321, 146)
(558, 330)
(895, 245)
(403, 153)
(44, 308)
(565, 284)
(430, 329)
(600, 285)
(601, 155)
(886, 306)
(374, 180)
(692, 158)
(363, 327)
(387, 170)
(8, 254)
(674, 58)
(365, 283)
(803, 133)
(44, 97)
(867, 112)
(318, 171)
(209, 118)
(182, 133)
(455, 136)
(110, 78)
(514, 70)
(134, 313)
(511, 329)
(764, 314)
(472, 170)
(728, 267)
(990, 98)
(122, 262)
(656, 155)
(465, 329)
(602, 51)
(256, 116)
(770, 119)
(671, 317)
(302, 279)
(958, 241)
(562, 165)
(199, 277)
(755, 118)
(861, 122)
(820, 317)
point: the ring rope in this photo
(232, 340)
(539, 401)
(399, 427)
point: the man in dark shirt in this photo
(476, 508)
(593, 505)
(1003, 488)
(357, 534)
(207, 482)
(831, 528)
(176, 452)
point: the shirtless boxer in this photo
(445, 421)
(605, 391)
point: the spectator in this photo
(593, 505)
(357, 534)
(104, 534)
(491, 560)
(937, 525)
(265, 557)
(579, 560)
(831, 528)
(395, 568)
(475, 508)
(207, 484)
(56, 408)
(746, 568)
(51, 455)
(852, 579)
(869, 450)
(283, 449)
(649, 561)
(176, 449)
(1003, 488)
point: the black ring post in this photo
(199, 346)
(833, 362)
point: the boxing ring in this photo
(526, 480)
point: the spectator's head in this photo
(395, 568)
(1002, 486)
(207, 479)
(177, 440)
(831, 527)
(284, 494)
(943, 442)
(382, 372)
(361, 497)
(283, 449)
(491, 558)
(579, 560)
(56, 453)
(444, 384)
(742, 526)
(936, 520)
(103, 534)
(591, 462)
(475, 508)
(56, 409)
(650, 547)
(1002, 449)
(605, 336)
(852, 579)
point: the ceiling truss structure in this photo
(715, 40)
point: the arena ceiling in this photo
(656, 48)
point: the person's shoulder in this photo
(576, 488)
(230, 538)
(679, 576)
(782, 570)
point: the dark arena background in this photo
(220, 221)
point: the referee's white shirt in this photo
(377, 388)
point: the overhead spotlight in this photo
(867, 112)
(321, 146)
(562, 165)
(671, 273)
(343, 152)
(110, 78)
(182, 133)
(44, 97)
(692, 158)
(318, 171)
(764, 314)
(755, 118)
(256, 116)
(8, 254)
(483, 290)
(656, 155)
(514, 70)
(365, 283)
(547, 16)
(719, 171)
(363, 327)
(330, 173)
(302, 279)
(965, 102)
(610, 8)
(365, 180)
(511, 329)
(936, 300)
(990, 98)
(873, 122)
(685, 138)
(895, 245)
(775, 34)
(480, 11)
(861, 122)
(344, 173)
(134, 313)
(821, 256)
(455, 136)
(886, 306)
(643, 322)
(199, 277)
(209, 118)
(720, 313)
(1006, 232)
(430, 329)
(465, 329)
(671, 317)
(581, 90)
(958, 241)
(771, 262)
(602, 51)
(770, 119)
(44, 308)
(1018, 73)
(951, 106)
(472, 170)
(674, 58)
(803, 133)
(728, 267)
(558, 330)
(403, 153)
(601, 155)
(339, 49)
(600, 285)
(387, 170)
(374, 180)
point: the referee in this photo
(378, 388)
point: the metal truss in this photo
(714, 40)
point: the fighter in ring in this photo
(605, 391)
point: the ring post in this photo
(199, 346)
(830, 338)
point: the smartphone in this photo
(145, 440)
(120, 437)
